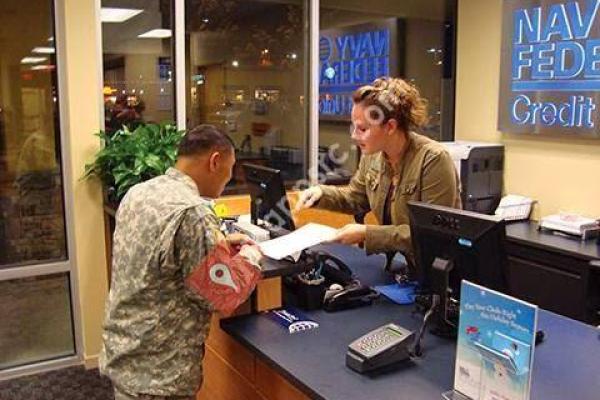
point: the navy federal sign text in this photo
(550, 78)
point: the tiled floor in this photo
(75, 383)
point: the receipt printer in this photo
(480, 167)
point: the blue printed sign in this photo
(550, 78)
(352, 57)
(292, 320)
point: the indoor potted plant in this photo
(130, 157)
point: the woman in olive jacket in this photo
(397, 165)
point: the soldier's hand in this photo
(251, 253)
(309, 197)
(237, 240)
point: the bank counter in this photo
(250, 356)
(567, 362)
(311, 364)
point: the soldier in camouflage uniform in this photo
(155, 327)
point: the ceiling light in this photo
(33, 60)
(43, 50)
(156, 34)
(51, 39)
(235, 63)
(42, 67)
(109, 14)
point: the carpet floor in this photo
(75, 383)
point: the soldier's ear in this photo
(214, 161)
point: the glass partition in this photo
(360, 41)
(32, 226)
(36, 320)
(137, 49)
(246, 68)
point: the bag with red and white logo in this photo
(224, 278)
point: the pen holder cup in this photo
(308, 293)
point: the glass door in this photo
(36, 288)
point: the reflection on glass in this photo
(36, 320)
(31, 204)
(246, 73)
(360, 41)
(137, 42)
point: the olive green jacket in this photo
(427, 174)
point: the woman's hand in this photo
(351, 234)
(308, 198)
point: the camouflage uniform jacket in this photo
(154, 327)
(427, 174)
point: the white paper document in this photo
(298, 240)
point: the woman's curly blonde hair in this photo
(388, 98)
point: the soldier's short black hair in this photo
(204, 138)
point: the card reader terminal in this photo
(382, 346)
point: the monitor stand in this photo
(255, 210)
(437, 304)
(274, 231)
(444, 324)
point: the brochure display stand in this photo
(496, 339)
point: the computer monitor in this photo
(268, 201)
(451, 245)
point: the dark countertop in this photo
(566, 363)
(527, 233)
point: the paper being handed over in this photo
(296, 241)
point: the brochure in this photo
(496, 339)
(292, 320)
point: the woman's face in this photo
(368, 134)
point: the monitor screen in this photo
(474, 243)
(268, 201)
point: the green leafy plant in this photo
(130, 157)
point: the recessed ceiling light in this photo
(33, 60)
(43, 50)
(51, 39)
(114, 15)
(42, 67)
(156, 34)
